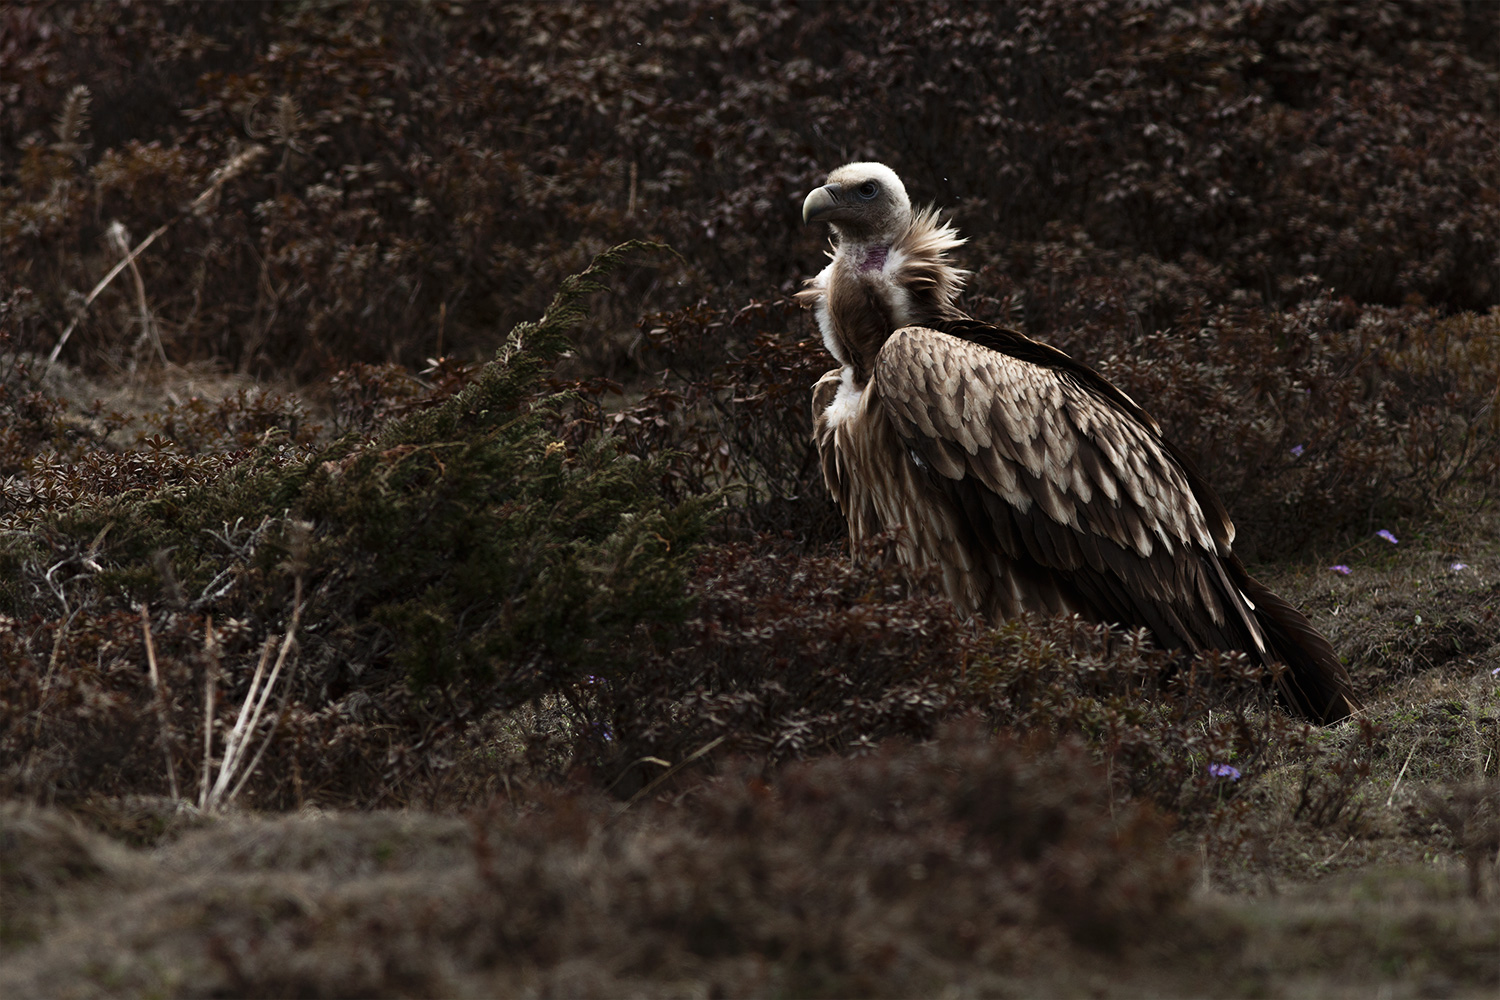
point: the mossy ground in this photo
(145, 897)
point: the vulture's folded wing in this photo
(1057, 472)
(1058, 477)
(1085, 485)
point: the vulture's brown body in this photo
(1028, 481)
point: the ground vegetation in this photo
(415, 573)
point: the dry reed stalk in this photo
(1397, 783)
(216, 181)
(161, 707)
(236, 734)
(210, 689)
(242, 735)
(656, 782)
(119, 239)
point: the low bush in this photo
(463, 549)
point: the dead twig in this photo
(225, 789)
(1397, 783)
(161, 706)
(217, 180)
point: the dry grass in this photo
(554, 889)
(738, 888)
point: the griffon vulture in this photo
(1023, 477)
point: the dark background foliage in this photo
(1255, 217)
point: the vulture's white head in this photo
(890, 266)
(864, 202)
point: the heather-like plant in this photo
(463, 550)
(794, 657)
(1148, 189)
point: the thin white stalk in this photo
(244, 731)
(1397, 783)
(232, 741)
(656, 783)
(1337, 852)
(264, 743)
(210, 689)
(265, 696)
(149, 329)
(103, 284)
(161, 707)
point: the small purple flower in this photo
(1341, 569)
(1224, 771)
(1297, 450)
(1495, 672)
(1382, 533)
(1459, 567)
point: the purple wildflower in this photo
(1382, 533)
(1224, 771)
(1297, 450)
(1341, 569)
(1456, 567)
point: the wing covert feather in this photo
(1034, 436)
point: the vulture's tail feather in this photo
(1315, 684)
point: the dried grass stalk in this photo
(242, 735)
(161, 707)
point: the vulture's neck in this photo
(876, 286)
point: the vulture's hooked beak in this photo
(821, 201)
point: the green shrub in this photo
(463, 549)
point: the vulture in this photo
(1023, 478)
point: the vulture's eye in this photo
(867, 190)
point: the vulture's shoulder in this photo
(1032, 352)
(1037, 427)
